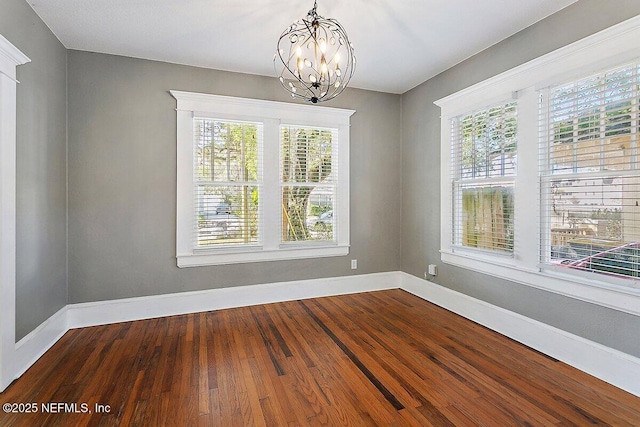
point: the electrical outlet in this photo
(433, 269)
(425, 276)
(354, 264)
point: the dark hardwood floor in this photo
(381, 358)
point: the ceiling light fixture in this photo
(314, 59)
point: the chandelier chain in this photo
(313, 11)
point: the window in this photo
(590, 174)
(483, 149)
(226, 182)
(569, 220)
(308, 183)
(260, 180)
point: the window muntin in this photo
(590, 176)
(308, 180)
(484, 157)
(226, 182)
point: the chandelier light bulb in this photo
(314, 59)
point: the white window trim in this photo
(613, 46)
(271, 114)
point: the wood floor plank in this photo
(506, 358)
(273, 415)
(424, 396)
(203, 366)
(390, 353)
(382, 379)
(538, 370)
(370, 359)
(250, 401)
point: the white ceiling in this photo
(398, 43)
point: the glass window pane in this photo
(592, 123)
(226, 151)
(487, 217)
(308, 213)
(226, 214)
(306, 154)
(486, 142)
(595, 223)
(309, 177)
(226, 196)
(593, 217)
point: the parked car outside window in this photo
(223, 208)
(623, 261)
(324, 221)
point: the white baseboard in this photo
(30, 348)
(615, 367)
(124, 310)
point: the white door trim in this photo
(10, 58)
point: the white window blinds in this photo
(590, 175)
(227, 181)
(484, 154)
(308, 180)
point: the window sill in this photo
(621, 298)
(201, 259)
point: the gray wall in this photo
(41, 282)
(122, 180)
(421, 178)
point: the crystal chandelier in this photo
(314, 59)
